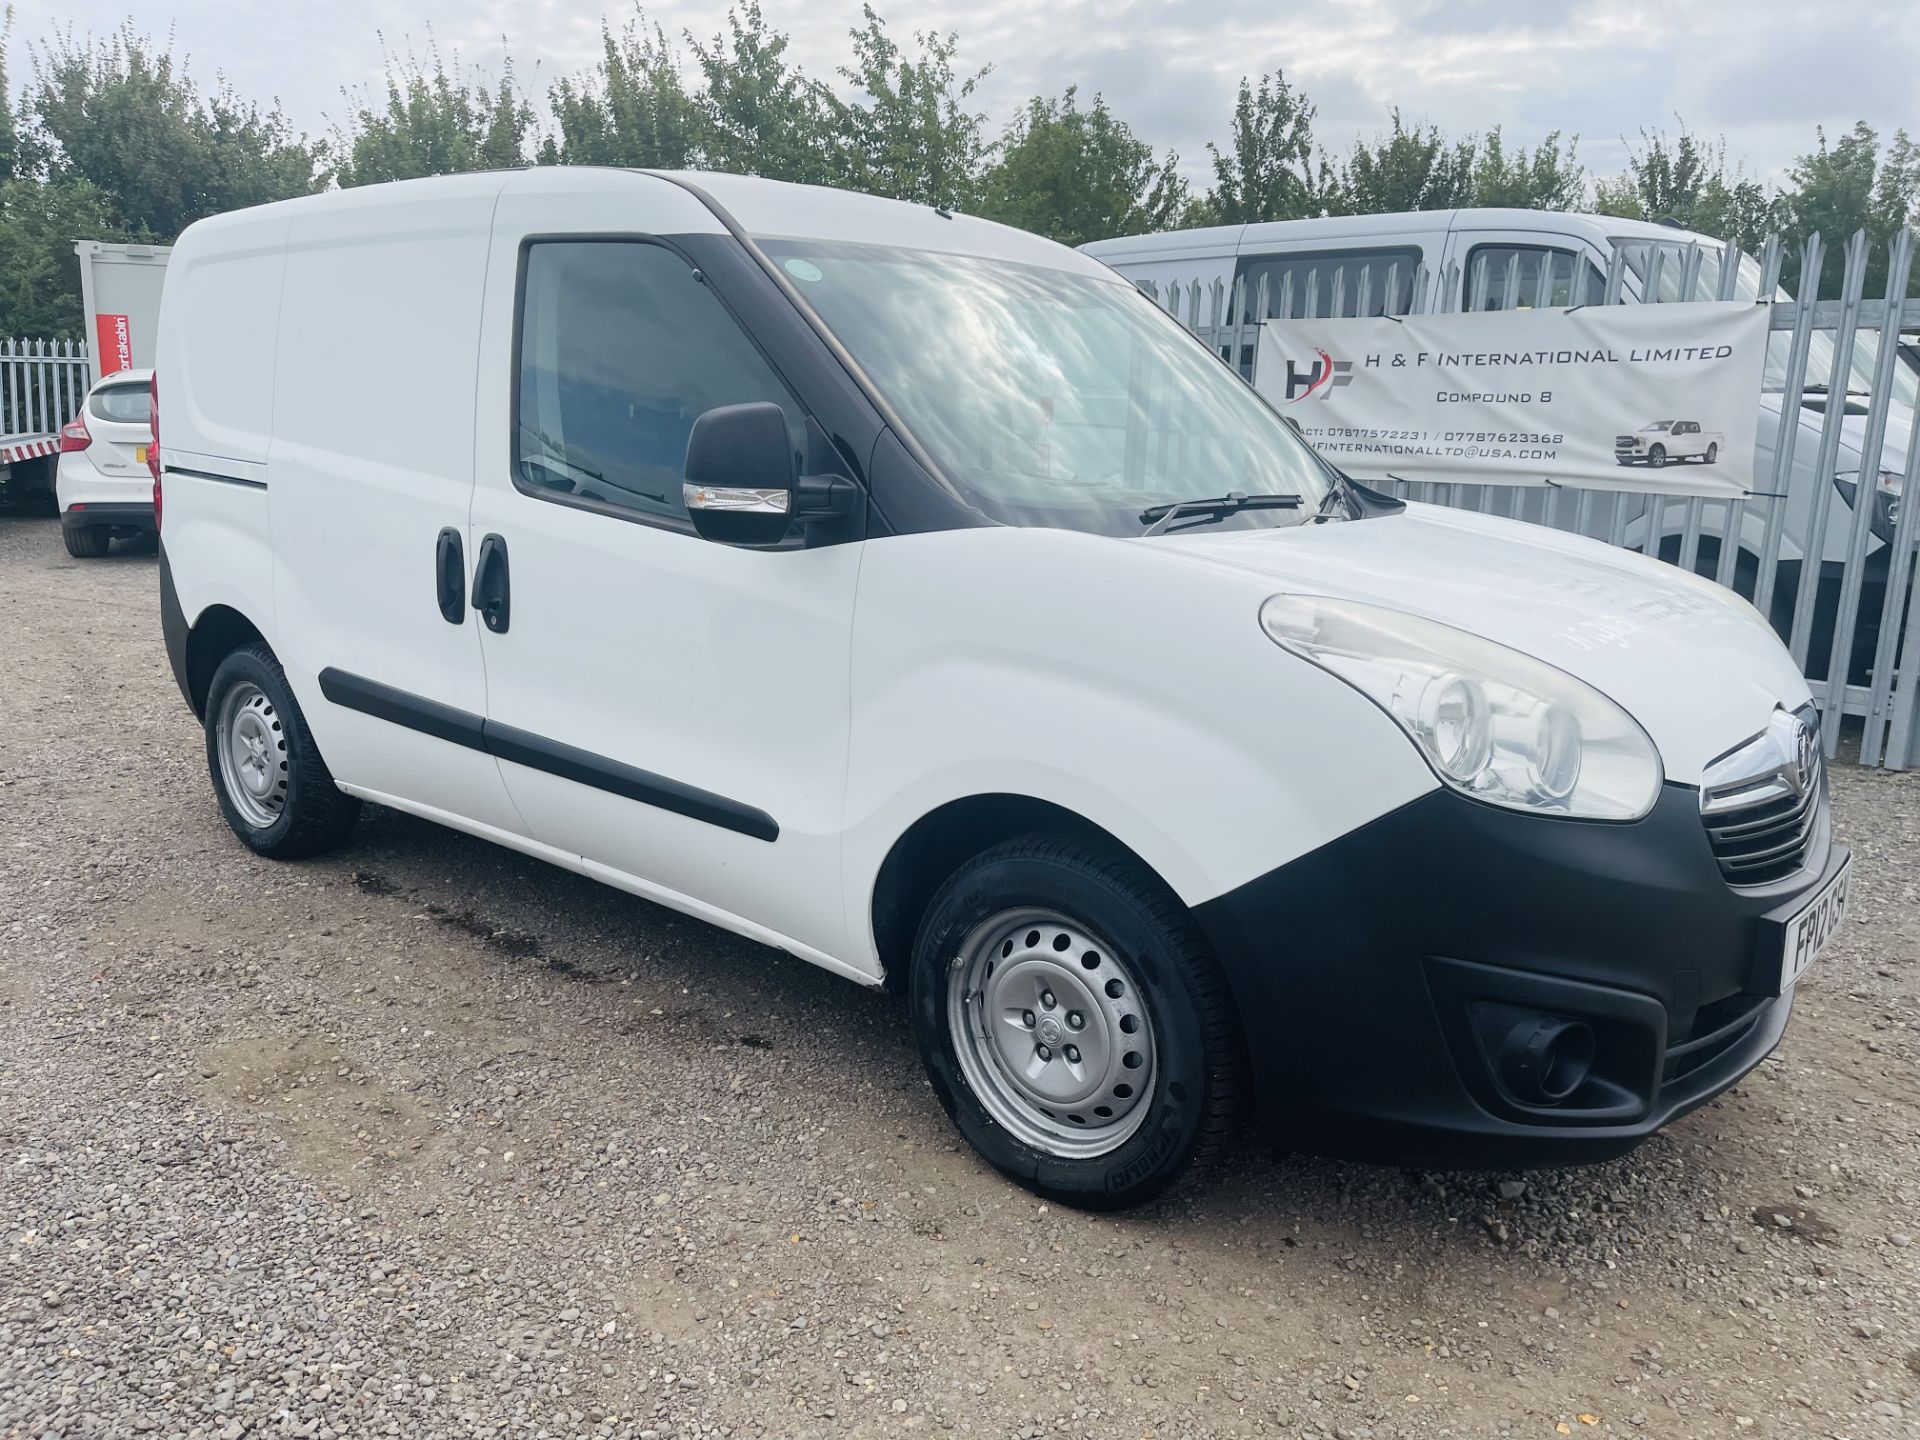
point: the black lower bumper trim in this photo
(1385, 967)
(134, 515)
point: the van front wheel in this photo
(1073, 1022)
(274, 789)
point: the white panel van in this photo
(913, 595)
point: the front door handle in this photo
(450, 576)
(492, 589)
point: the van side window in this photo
(1377, 280)
(1304, 285)
(621, 349)
(1503, 277)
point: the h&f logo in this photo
(1320, 377)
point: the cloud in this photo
(1761, 72)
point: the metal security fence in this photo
(1823, 545)
(42, 383)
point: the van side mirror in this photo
(739, 476)
(740, 486)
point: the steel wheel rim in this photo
(1072, 1077)
(253, 755)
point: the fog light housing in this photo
(1545, 1059)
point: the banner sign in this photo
(113, 344)
(1624, 397)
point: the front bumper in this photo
(1369, 971)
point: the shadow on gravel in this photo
(525, 910)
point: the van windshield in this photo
(1049, 398)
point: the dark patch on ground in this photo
(1809, 1225)
(501, 939)
(756, 1042)
(517, 944)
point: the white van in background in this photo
(913, 595)
(1497, 259)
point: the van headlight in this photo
(1493, 723)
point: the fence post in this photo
(1812, 257)
(1813, 549)
(1865, 490)
(1890, 696)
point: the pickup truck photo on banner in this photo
(1638, 397)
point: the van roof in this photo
(764, 209)
(1343, 229)
(779, 209)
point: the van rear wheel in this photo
(274, 789)
(1074, 1023)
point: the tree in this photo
(119, 114)
(1850, 186)
(433, 121)
(9, 133)
(1269, 172)
(1687, 180)
(1406, 169)
(40, 276)
(1545, 179)
(909, 132)
(1078, 175)
(633, 110)
(760, 115)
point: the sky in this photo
(1761, 73)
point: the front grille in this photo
(1624, 442)
(1762, 803)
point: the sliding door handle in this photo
(492, 587)
(450, 576)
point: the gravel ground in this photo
(430, 1139)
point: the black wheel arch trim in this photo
(174, 630)
(537, 752)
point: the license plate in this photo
(139, 454)
(1809, 931)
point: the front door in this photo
(672, 710)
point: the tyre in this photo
(1713, 453)
(1074, 1023)
(85, 542)
(273, 787)
(1657, 457)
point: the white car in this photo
(102, 482)
(912, 595)
(1662, 441)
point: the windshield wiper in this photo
(1158, 517)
